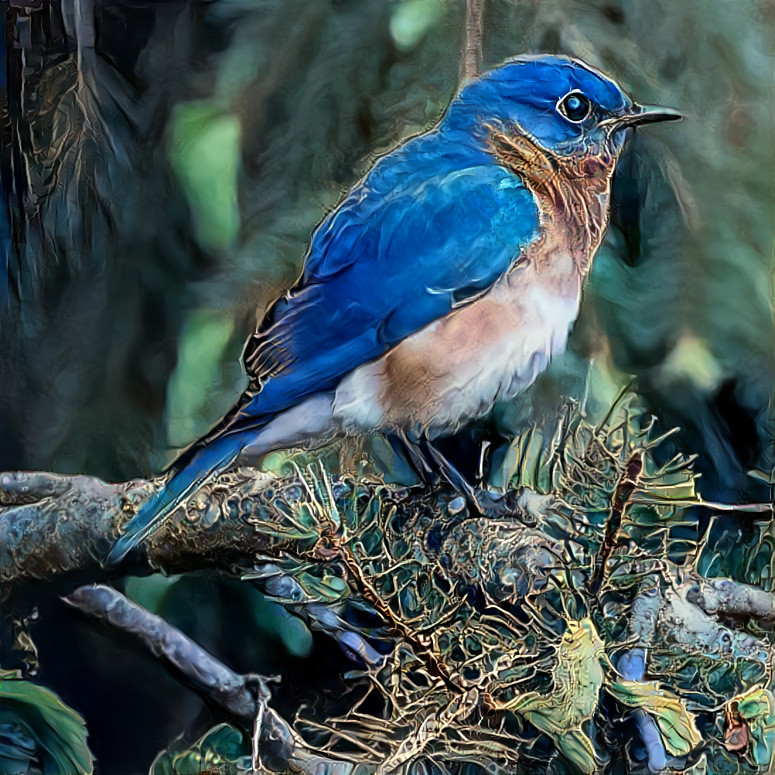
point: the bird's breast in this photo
(456, 368)
(572, 192)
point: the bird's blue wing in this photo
(400, 252)
(415, 239)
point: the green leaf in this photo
(574, 744)
(676, 725)
(328, 588)
(526, 705)
(205, 155)
(700, 767)
(763, 750)
(57, 731)
(757, 707)
(223, 749)
(577, 677)
(755, 704)
(577, 748)
(411, 20)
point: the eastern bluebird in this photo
(443, 282)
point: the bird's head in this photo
(563, 105)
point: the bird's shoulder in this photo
(427, 190)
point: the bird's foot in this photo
(432, 468)
(499, 505)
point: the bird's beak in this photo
(641, 114)
(649, 114)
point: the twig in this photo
(422, 645)
(649, 499)
(230, 690)
(472, 41)
(621, 499)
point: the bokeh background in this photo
(163, 165)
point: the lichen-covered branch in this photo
(731, 598)
(52, 525)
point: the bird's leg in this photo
(415, 456)
(431, 466)
(452, 475)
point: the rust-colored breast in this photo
(572, 191)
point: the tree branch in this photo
(731, 598)
(234, 692)
(276, 745)
(52, 525)
(472, 41)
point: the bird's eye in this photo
(575, 106)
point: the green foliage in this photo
(582, 463)
(577, 679)
(495, 616)
(757, 709)
(676, 724)
(532, 648)
(39, 734)
(272, 117)
(205, 154)
(224, 749)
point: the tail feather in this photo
(210, 459)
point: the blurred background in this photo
(163, 165)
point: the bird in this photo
(444, 281)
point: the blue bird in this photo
(443, 282)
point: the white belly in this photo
(455, 369)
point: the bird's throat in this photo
(572, 192)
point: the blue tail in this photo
(213, 457)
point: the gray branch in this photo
(230, 690)
(51, 525)
(730, 598)
(472, 41)
(278, 747)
